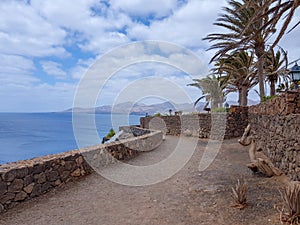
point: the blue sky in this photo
(46, 46)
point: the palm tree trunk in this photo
(259, 52)
(244, 96)
(272, 87)
(240, 96)
(261, 79)
(214, 104)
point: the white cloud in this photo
(148, 74)
(92, 31)
(16, 71)
(161, 87)
(12, 64)
(53, 69)
(70, 14)
(36, 98)
(157, 8)
(44, 29)
(117, 69)
(104, 42)
(24, 32)
(186, 26)
(82, 67)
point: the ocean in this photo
(29, 135)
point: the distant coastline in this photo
(138, 108)
(143, 109)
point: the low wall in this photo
(276, 127)
(200, 125)
(134, 130)
(284, 104)
(23, 180)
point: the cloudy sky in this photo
(47, 47)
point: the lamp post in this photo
(295, 75)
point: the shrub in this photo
(266, 98)
(157, 114)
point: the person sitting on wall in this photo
(104, 139)
(108, 136)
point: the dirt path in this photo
(189, 197)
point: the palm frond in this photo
(199, 99)
(211, 88)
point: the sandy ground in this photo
(188, 197)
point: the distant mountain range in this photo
(139, 108)
(142, 109)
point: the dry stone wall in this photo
(284, 104)
(276, 127)
(202, 125)
(26, 179)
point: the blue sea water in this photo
(28, 135)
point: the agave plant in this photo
(290, 211)
(239, 195)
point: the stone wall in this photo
(276, 127)
(284, 104)
(23, 180)
(134, 130)
(200, 125)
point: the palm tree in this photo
(275, 68)
(237, 71)
(280, 13)
(244, 32)
(212, 90)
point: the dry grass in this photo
(290, 209)
(239, 195)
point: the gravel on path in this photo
(189, 197)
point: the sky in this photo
(49, 47)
